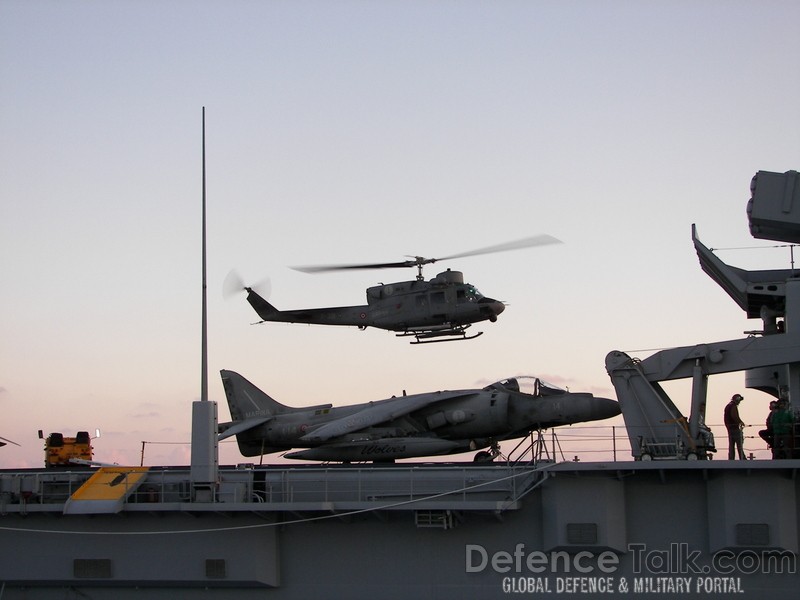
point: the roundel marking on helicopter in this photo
(388, 289)
(303, 428)
(363, 315)
(459, 416)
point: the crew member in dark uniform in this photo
(734, 425)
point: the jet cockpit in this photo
(527, 384)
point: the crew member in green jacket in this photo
(782, 424)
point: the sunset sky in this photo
(355, 131)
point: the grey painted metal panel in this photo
(319, 551)
(574, 508)
(752, 498)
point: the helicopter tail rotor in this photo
(234, 284)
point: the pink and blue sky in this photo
(352, 131)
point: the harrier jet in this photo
(433, 423)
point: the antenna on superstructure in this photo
(205, 447)
(204, 318)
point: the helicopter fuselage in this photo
(444, 300)
(442, 306)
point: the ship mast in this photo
(205, 447)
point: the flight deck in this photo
(447, 530)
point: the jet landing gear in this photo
(488, 455)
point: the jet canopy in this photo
(527, 384)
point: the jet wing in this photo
(380, 412)
(4, 441)
(241, 426)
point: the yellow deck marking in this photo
(106, 490)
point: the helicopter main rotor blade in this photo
(324, 268)
(537, 240)
(529, 242)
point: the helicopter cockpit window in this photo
(468, 294)
(473, 295)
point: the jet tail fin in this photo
(246, 401)
(250, 410)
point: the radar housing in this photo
(773, 210)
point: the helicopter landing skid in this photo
(455, 334)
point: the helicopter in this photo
(440, 309)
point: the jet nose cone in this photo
(604, 408)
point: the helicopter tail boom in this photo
(264, 309)
(356, 316)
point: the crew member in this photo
(782, 422)
(705, 434)
(734, 425)
(766, 434)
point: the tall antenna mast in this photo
(204, 327)
(205, 449)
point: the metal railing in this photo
(442, 479)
